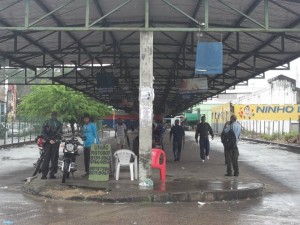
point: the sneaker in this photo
(207, 157)
(236, 174)
(52, 177)
(203, 160)
(228, 175)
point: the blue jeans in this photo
(204, 147)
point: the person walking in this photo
(90, 136)
(120, 134)
(231, 150)
(178, 138)
(52, 133)
(203, 130)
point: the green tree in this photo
(69, 104)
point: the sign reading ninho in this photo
(267, 112)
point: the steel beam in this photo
(147, 14)
(243, 14)
(59, 23)
(109, 13)
(152, 29)
(10, 5)
(266, 12)
(50, 13)
(182, 12)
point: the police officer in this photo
(178, 138)
(203, 130)
(52, 132)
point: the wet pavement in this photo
(277, 168)
(206, 182)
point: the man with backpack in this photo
(229, 138)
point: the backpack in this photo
(228, 139)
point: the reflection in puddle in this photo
(181, 185)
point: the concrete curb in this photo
(16, 144)
(152, 196)
(294, 147)
(291, 146)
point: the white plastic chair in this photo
(123, 158)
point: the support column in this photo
(146, 98)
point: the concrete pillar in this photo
(146, 98)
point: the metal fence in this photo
(270, 127)
(275, 129)
(19, 130)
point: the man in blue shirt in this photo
(90, 136)
(232, 154)
(178, 137)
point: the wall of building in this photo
(205, 109)
(281, 90)
(220, 115)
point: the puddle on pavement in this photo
(180, 185)
(9, 158)
(66, 193)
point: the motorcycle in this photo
(37, 165)
(70, 152)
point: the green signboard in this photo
(100, 160)
(192, 116)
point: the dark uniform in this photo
(178, 135)
(203, 130)
(52, 130)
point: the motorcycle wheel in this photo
(66, 172)
(37, 166)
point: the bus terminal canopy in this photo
(73, 41)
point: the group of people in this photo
(52, 134)
(202, 133)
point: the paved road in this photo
(277, 168)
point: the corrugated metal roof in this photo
(246, 54)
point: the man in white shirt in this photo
(120, 134)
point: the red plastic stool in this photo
(156, 153)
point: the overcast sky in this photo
(256, 84)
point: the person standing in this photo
(90, 137)
(203, 130)
(232, 153)
(161, 132)
(178, 138)
(52, 132)
(120, 134)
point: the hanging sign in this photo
(193, 85)
(209, 58)
(105, 81)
